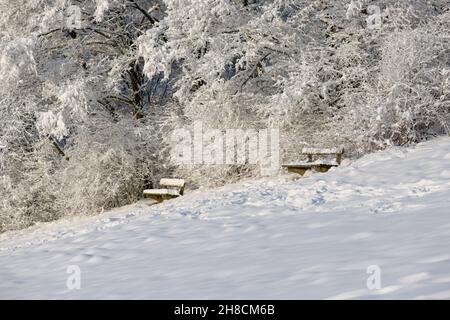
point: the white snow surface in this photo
(278, 238)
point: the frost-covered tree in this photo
(316, 69)
(80, 125)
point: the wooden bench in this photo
(170, 188)
(319, 165)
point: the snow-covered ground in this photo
(313, 237)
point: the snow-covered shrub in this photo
(410, 100)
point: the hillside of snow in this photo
(288, 238)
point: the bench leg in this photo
(302, 171)
(157, 198)
(299, 171)
(322, 169)
(168, 197)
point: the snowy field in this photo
(313, 237)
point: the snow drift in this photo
(286, 238)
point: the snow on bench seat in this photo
(158, 192)
(179, 183)
(326, 151)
